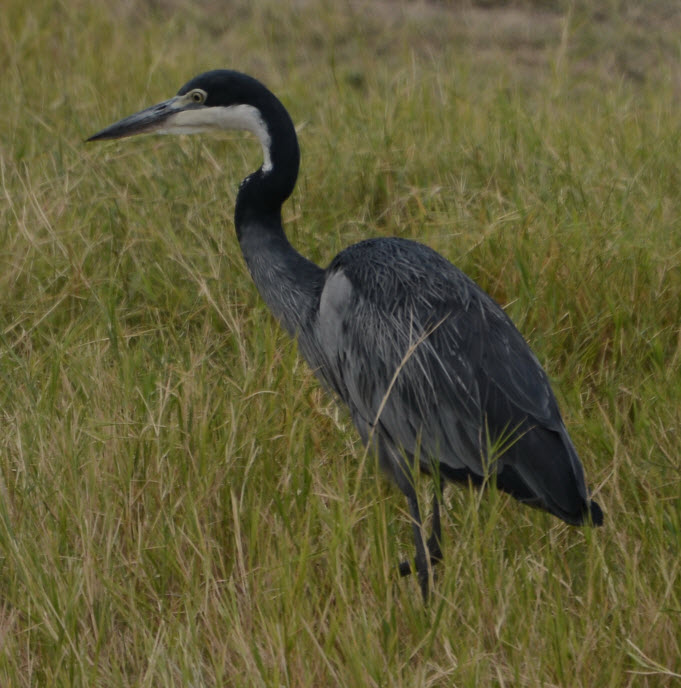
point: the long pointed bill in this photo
(144, 122)
(184, 115)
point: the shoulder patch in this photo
(336, 294)
(335, 300)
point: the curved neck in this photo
(264, 191)
(288, 283)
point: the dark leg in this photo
(435, 539)
(399, 468)
(433, 549)
(421, 560)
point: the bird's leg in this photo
(435, 539)
(434, 548)
(400, 470)
(421, 559)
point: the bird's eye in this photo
(197, 96)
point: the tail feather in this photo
(596, 514)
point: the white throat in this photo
(242, 117)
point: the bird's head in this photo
(216, 100)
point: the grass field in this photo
(180, 504)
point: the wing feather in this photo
(420, 353)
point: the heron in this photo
(436, 376)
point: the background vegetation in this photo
(180, 505)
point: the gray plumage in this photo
(459, 372)
(432, 369)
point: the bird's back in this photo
(431, 364)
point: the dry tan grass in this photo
(179, 503)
